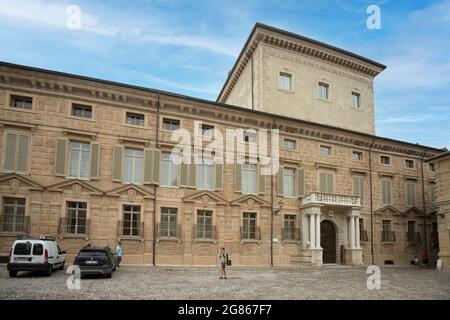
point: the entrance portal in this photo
(328, 241)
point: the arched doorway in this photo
(328, 241)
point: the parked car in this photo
(35, 255)
(96, 260)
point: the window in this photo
(204, 224)
(204, 177)
(249, 226)
(433, 192)
(285, 81)
(326, 182)
(325, 150)
(362, 232)
(385, 160)
(169, 171)
(249, 178)
(357, 156)
(135, 119)
(250, 137)
(386, 233)
(288, 182)
(21, 102)
(38, 249)
(411, 234)
(169, 227)
(323, 90)
(289, 230)
(171, 124)
(356, 100)
(409, 163)
(131, 220)
(79, 159)
(207, 130)
(386, 191)
(13, 215)
(133, 165)
(16, 152)
(290, 144)
(82, 111)
(410, 194)
(358, 186)
(432, 167)
(76, 217)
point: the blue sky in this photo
(189, 46)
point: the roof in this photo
(215, 103)
(296, 36)
(439, 156)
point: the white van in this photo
(35, 255)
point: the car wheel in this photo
(48, 272)
(13, 274)
(114, 269)
(62, 266)
(108, 275)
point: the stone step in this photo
(300, 259)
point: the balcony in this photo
(413, 237)
(169, 231)
(291, 234)
(331, 199)
(250, 234)
(387, 236)
(73, 227)
(130, 229)
(14, 224)
(204, 232)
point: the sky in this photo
(188, 47)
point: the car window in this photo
(38, 249)
(59, 250)
(92, 253)
(22, 248)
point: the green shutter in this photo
(22, 155)
(192, 173)
(322, 182)
(218, 169)
(238, 178)
(300, 182)
(156, 177)
(386, 191)
(280, 182)
(95, 160)
(148, 166)
(10, 152)
(261, 181)
(184, 174)
(61, 157)
(117, 163)
(410, 194)
(358, 187)
(330, 183)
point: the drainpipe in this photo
(271, 204)
(253, 99)
(155, 187)
(423, 204)
(371, 202)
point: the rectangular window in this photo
(411, 226)
(323, 90)
(432, 167)
(204, 224)
(356, 100)
(135, 119)
(249, 178)
(249, 226)
(285, 81)
(13, 215)
(207, 130)
(204, 177)
(325, 150)
(358, 186)
(80, 153)
(250, 137)
(169, 171)
(76, 217)
(288, 182)
(16, 152)
(326, 182)
(386, 233)
(362, 232)
(131, 220)
(433, 192)
(290, 144)
(385, 160)
(289, 230)
(133, 165)
(171, 124)
(410, 194)
(357, 156)
(386, 191)
(169, 226)
(409, 164)
(82, 111)
(21, 102)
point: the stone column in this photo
(357, 235)
(317, 215)
(352, 232)
(312, 233)
(353, 255)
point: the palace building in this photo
(88, 161)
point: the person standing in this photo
(223, 259)
(119, 253)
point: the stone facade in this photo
(339, 225)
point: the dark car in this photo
(96, 260)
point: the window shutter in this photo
(61, 157)
(358, 187)
(156, 176)
(280, 182)
(10, 152)
(184, 174)
(95, 160)
(300, 182)
(192, 173)
(218, 168)
(330, 183)
(148, 166)
(386, 191)
(117, 163)
(22, 155)
(261, 181)
(238, 178)
(322, 182)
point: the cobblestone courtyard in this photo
(327, 282)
